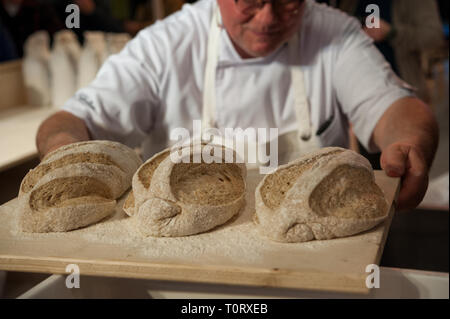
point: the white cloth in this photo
(156, 83)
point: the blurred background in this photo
(33, 36)
(21, 18)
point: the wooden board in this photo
(231, 254)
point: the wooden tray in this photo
(231, 254)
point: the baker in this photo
(295, 65)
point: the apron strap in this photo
(301, 103)
(209, 93)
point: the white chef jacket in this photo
(155, 83)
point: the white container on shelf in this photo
(64, 61)
(68, 40)
(63, 77)
(93, 55)
(35, 69)
(116, 42)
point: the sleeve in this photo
(121, 103)
(364, 82)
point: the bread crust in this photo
(335, 196)
(75, 186)
(161, 210)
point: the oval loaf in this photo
(75, 186)
(326, 194)
(179, 199)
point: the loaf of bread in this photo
(75, 186)
(323, 195)
(178, 199)
(141, 181)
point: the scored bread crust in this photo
(141, 184)
(332, 193)
(127, 156)
(75, 186)
(160, 212)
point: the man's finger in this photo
(412, 192)
(393, 161)
(416, 163)
(414, 182)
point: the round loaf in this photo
(326, 194)
(185, 198)
(75, 186)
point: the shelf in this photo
(18, 128)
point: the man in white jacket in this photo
(294, 65)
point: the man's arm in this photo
(58, 130)
(408, 135)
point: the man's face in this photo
(263, 32)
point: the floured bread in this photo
(323, 195)
(179, 199)
(142, 179)
(75, 186)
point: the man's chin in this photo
(257, 49)
(263, 50)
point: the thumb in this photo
(393, 160)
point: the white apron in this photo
(290, 145)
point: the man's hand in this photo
(60, 129)
(381, 33)
(406, 161)
(56, 142)
(408, 135)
